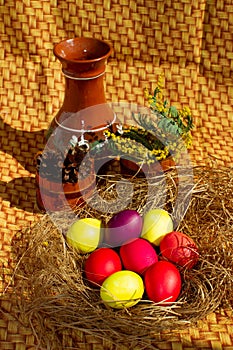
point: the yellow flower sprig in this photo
(155, 137)
(134, 149)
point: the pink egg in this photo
(137, 255)
(122, 227)
(100, 264)
(163, 282)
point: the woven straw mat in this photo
(189, 41)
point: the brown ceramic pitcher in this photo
(83, 63)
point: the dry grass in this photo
(53, 296)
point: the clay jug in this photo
(83, 62)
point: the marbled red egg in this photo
(179, 248)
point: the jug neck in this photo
(83, 65)
(80, 94)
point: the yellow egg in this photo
(156, 224)
(84, 235)
(122, 289)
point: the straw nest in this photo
(54, 298)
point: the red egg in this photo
(100, 264)
(163, 282)
(180, 249)
(137, 255)
(122, 227)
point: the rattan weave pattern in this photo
(190, 42)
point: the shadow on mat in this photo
(21, 193)
(23, 146)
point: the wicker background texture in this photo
(189, 41)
